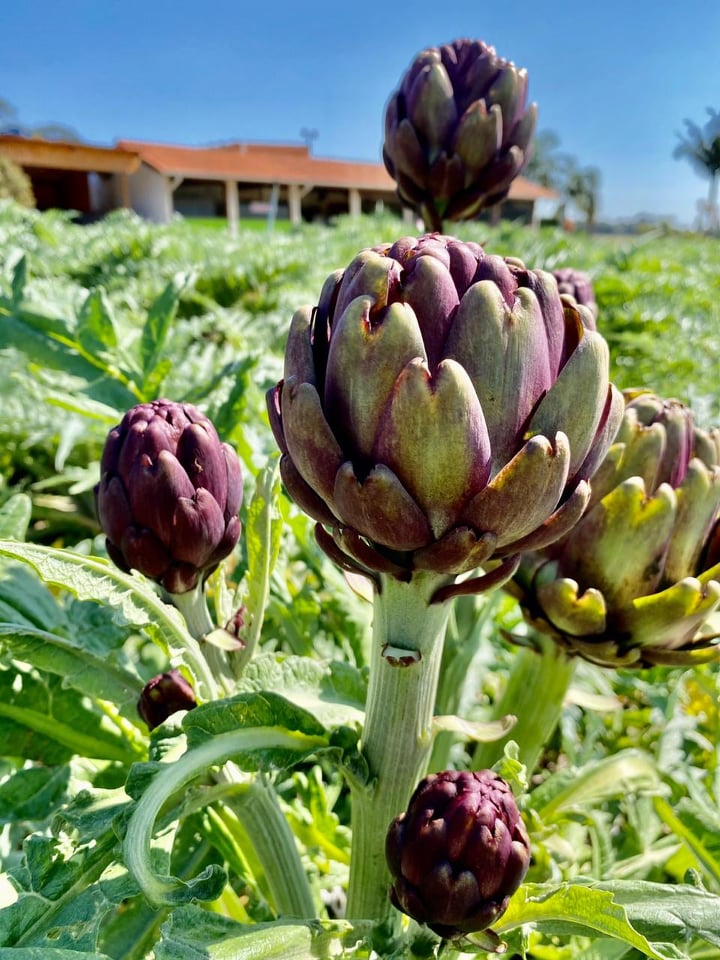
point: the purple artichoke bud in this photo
(164, 695)
(578, 285)
(634, 582)
(169, 494)
(458, 130)
(440, 408)
(458, 853)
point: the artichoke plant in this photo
(635, 581)
(457, 131)
(578, 285)
(458, 853)
(164, 695)
(169, 494)
(441, 408)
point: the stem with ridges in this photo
(396, 738)
(256, 806)
(258, 809)
(193, 606)
(534, 693)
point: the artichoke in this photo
(578, 285)
(164, 695)
(457, 131)
(440, 408)
(169, 494)
(458, 853)
(635, 581)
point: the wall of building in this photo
(150, 195)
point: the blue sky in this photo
(613, 79)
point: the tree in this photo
(550, 167)
(701, 147)
(10, 123)
(583, 188)
(15, 183)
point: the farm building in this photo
(237, 180)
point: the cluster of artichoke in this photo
(443, 410)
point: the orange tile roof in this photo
(282, 163)
(61, 155)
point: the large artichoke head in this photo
(635, 581)
(441, 408)
(457, 130)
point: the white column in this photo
(294, 203)
(232, 206)
(354, 203)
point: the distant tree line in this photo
(10, 123)
(553, 168)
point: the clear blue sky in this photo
(613, 79)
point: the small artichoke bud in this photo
(169, 494)
(458, 853)
(441, 408)
(577, 285)
(635, 581)
(457, 130)
(164, 695)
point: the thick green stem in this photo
(193, 606)
(256, 806)
(408, 636)
(534, 693)
(258, 810)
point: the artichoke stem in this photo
(534, 693)
(193, 606)
(397, 738)
(258, 810)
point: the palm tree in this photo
(701, 146)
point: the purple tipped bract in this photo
(441, 408)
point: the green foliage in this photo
(623, 812)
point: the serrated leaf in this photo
(33, 793)
(685, 823)
(155, 331)
(261, 730)
(15, 517)
(132, 600)
(580, 909)
(96, 331)
(263, 533)
(334, 691)
(39, 705)
(627, 770)
(246, 711)
(191, 934)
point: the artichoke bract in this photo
(458, 853)
(578, 285)
(440, 408)
(634, 583)
(164, 695)
(169, 494)
(457, 130)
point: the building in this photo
(237, 180)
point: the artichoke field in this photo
(218, 611)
